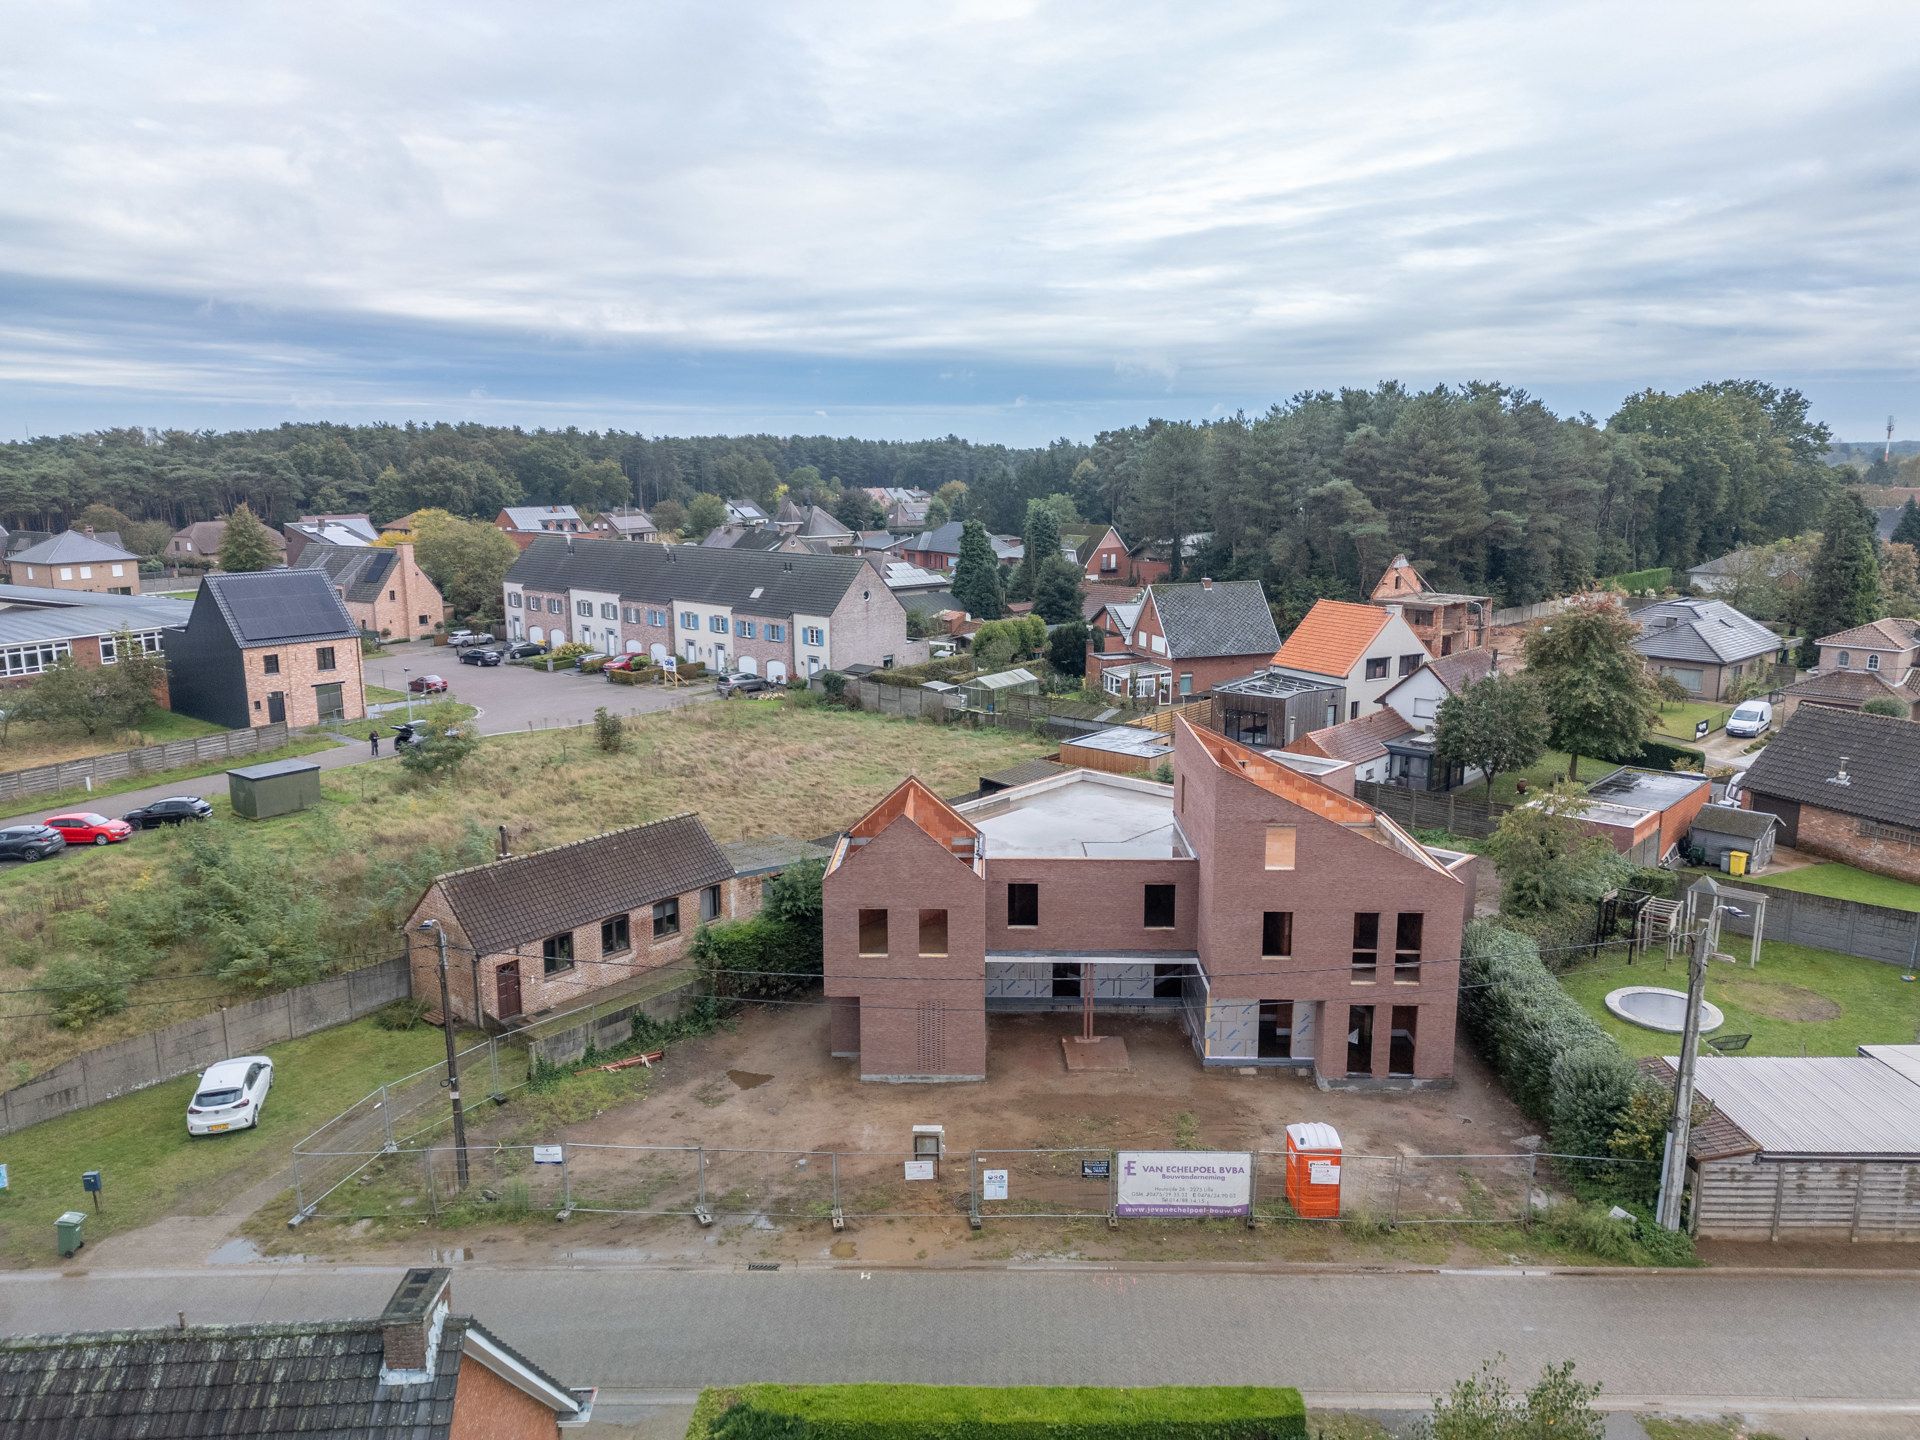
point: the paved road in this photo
(1708, 1339)
(517, 697)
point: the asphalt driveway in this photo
(521, 697)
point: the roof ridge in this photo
(566, 845)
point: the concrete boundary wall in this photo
(605, 1028)
(192, 1045)
(69, 775)
(1872, 932)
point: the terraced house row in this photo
(762, 612)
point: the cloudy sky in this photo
(1008, 220)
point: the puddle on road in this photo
(747, 1079)
(242, 1251)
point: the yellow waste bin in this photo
(1737, 862)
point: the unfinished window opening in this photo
(1159, 907)
(1280, 841)
(1276, 1030)
(1276, 934)
(1366, 948)
(1169, 982)
(1359, 1039)
(1406, 948)
(1404, 1039)
(933, 932)
(1066, 981)
(1023, 905)
(873, 932)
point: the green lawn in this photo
(1677, 718)
(381, 695)
(1798, 1001)
(1551, 766)
(151, 1168)
(1843, 882)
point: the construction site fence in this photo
(715, 1184)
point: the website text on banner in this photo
(1184, 1183)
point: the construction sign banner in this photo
(1184, 1183)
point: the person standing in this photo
(373, 739)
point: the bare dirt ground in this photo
(768, 1084)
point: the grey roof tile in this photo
(1709, 632)
(1881, 759)
(756, 582)
(1227, 617)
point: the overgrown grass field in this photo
(29, 745)
(379, 836)
(1798, 1001)
(149, 1164)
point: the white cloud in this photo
(1160, 193)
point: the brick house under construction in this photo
(1283, 921)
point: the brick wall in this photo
(931, 1022)
(1834, 836)
(299, 673)
(485, 1407)
(99, 577)
(762, 651)
(1093, 905)
(1110, 546)
(1337, 873)
(406, 596)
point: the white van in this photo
(1755, 717)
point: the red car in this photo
(622, 662)
(427, 685)
(86, 828)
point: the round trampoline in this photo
(1653, 1008)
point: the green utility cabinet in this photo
(280, 787)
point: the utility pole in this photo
(453, 1062)
(1673, 1170)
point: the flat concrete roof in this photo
(1649, 789)
(1082, 814)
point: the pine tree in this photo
(1600, 698)
(1056, 594)
(976, 575)
(1042, 543)
(246, 545)
(1843, 589)
(1907, 532)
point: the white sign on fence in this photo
(993, 1184)
(1184, 1182)
(919, 1169)
(549, 1154)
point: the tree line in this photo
(1482, 484)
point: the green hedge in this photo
(1658, 577)
(1553, 1058)
(963, 1412)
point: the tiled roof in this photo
(1856, 687)
(942, 539)
(1022, 774)
(1890, 634)
(818, 524)
(70, 547)
(1355, 740)
(360, 570)
(1714, 1136)
(630, 522)
(266, 607)
(205, 537)
(1881, 760)
(1209, 619)
(758, 582)
(1332, 638)
(1710, 632)
(766, 853)
(1732, 820)
(1462, 668)
(535, 517)
(529, 897)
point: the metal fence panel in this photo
(1064, 1184)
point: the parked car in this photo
(85, 827)
(623, 662)
(525, 650)
(480, 656)
(427, 685)
(740, 683)
(1755, 717)
(174, 810)
(470, 637)
(230, 1096)
(30, 842)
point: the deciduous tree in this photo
(1599, 696)
(467, 559)
(1498, 725)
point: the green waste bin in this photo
(68, 1227)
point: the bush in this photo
(86, 988)
(566, 654)
(948, 668)
(833, 685)
(609, 730)
(630, 676)
(1591, 1229)
(594, 664)
(1523, 1021)
(965, 1412)
(402, 1014)
(1591, 1088)
(1664, 755)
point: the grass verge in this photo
(149, 1165)
(1798, 1001)
(53, 802)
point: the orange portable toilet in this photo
(1313, 1170)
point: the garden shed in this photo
(279, 787)
(1721, 829)
(1815, 1147)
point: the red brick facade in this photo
(485, 1407)
(1884, 850)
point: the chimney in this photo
(1206, 582)
(410, 1325)
(505, 853)
(87, 530)
(1840, 776)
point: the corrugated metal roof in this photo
(25, 624)
(1905, 1059)
(1818, 1105)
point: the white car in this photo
(230, 1096)
(1755, 717)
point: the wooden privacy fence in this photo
(1432, 810)
(192, 1045)
(150, 759)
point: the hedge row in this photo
(1553, 1058)
(963, 1412)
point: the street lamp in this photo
(406, 682)
(453, 1062)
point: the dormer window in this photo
(1846, 659)
(1873, 662)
